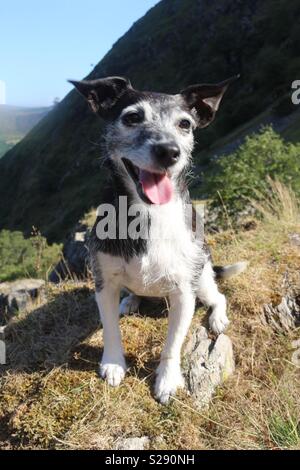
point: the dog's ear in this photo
(102, 94)
(205, 99)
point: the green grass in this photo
(21, 257)
(285, 432)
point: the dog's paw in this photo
(168, 380)
(218, 322)
(129, 304)
(113, 372)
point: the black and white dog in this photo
(148, 145)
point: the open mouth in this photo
(153, 188)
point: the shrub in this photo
(21, 257)
(237, 178)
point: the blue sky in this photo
(45, 42)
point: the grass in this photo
(26, 257)
(51, 396)
(285, 432)
(235, 179)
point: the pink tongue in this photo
(158, 188)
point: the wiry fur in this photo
(173, 261)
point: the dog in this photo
(148, 143)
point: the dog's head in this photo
(149, 136)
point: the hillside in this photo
(4, 147)
(52, 397)
(16, 122)
(55, 168)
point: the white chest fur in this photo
(170, 259)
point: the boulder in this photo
(295, 239)
(74, 263)
(296, 353)
(208, 363)
(19, 295)
(284, 316)
(133, 443)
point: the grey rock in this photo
(19, 295)
(296, 344)
(208, 363)
(285, 316)
(296, 354)
(2, 333)
(133, 443)
(74, 263)
(295, 239)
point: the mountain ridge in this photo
(16, 122)
(55, 169)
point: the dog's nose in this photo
(166, 154)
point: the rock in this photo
(18, 295)
(2, 333)
(74, 263)
(285, 316)
(133, 443)
(296, 354)
(296, 344)
(294, 239)
(208, 363)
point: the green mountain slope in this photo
(15, 122)
(53, 175)
(4, 147)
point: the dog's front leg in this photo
(169, 377)
(113, 365)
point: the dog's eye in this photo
(132, 118)
(185, 124)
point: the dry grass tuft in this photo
(51, 396)
(279, 203)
